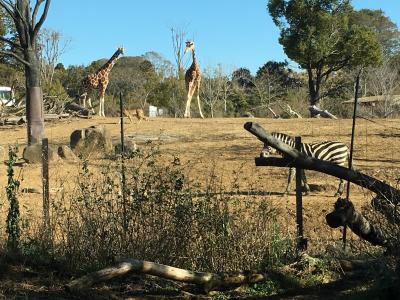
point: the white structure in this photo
(6, 96)
(153, 112)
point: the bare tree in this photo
(384, 80)
(25, 16)
(214, 88)
(52, 47)
(178, 36)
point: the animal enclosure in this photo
(222, 146)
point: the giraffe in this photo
(192, 80)
(99, 81)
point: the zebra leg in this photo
(306, 186)
(340, 188)
(292, 172)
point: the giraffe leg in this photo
(198, 100)
(101, 107)
(83, 100)
(90, 105)
(189, 99)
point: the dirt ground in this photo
(225, 146)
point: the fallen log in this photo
(76, 107)
(50, 117)
(292, 112)
(13, 121)
(317, 112)
(209, 281)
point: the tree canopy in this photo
(318, 35)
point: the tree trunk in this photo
(34, 99)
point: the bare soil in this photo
(223, 145)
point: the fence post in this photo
(301, 241)
(353, 129)
(45, 183)
(121, 115)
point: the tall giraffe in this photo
(99, 81)
(192, 80)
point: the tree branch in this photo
(18, 58)
(11, 43)
(42, 18)
(35, 11)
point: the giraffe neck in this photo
(194, 63)
(110, 63)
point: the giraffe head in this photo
(120, 50)
(189, 46)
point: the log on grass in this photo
(76, 107)
(345, 214)
(13, 121)
(316, 111)
(209, 281)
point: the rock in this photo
(91, 140)
(129, 145)
(66, 153)
(32, 154)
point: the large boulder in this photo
(66, 153)
(32, 154)
(93, 140)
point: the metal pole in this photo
(123, 179)
(45, 182)
(353, 128)
(301, 241)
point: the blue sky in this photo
(230, 32)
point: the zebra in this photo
(334, 152)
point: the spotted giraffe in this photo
(192, 80)
(99, 81)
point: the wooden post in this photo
(123, 179)
(301, 242)
(353, 128)
(45, 182)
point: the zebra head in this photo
(269, 150)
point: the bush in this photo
(164, 217)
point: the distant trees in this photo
(320, 37)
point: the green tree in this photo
(387, 32)
(318, 36)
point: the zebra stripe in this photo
(334, 152)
